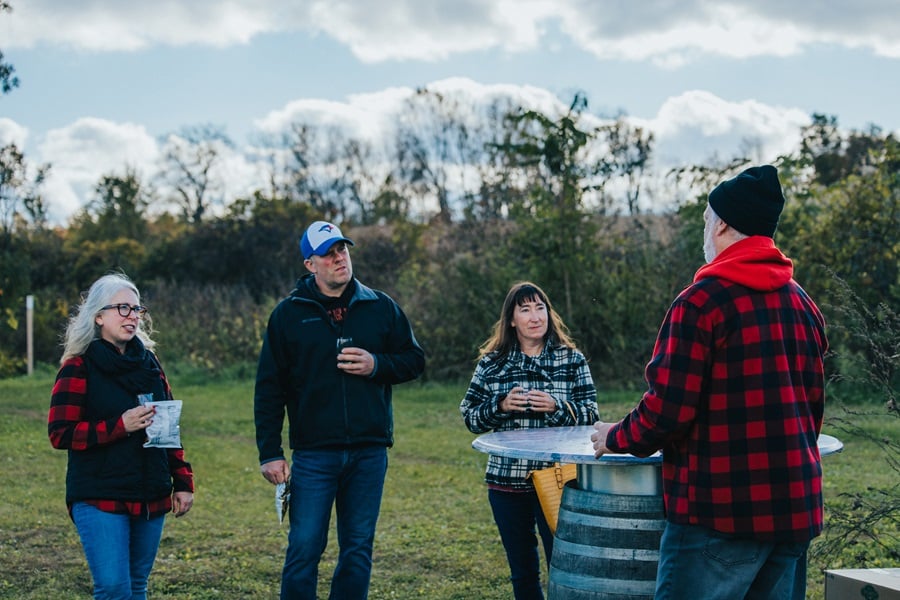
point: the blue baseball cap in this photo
(320, 237)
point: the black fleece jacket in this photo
(298, 372)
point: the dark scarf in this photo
(136, 370)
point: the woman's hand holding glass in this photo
(521, 399)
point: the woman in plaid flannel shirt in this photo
(530, 375)
(117, 491)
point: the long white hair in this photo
(83, 329)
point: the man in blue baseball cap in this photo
(319, 238)
(331, 352)
(321, 241)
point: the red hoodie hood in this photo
(753, 262)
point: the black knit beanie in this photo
(750, 202)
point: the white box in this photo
(862, 584)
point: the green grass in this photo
(436, 538)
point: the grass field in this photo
(436, 539)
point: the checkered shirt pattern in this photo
(560, 371)
(735, 400)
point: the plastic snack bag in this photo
(282, 499)
(164, 431)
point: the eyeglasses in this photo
(125, 310)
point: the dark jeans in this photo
(352, 481)
(702, 564)
(516, 514)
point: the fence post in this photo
(29, 330)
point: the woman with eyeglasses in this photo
(117, 491)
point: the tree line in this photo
(445, 222)
(445, 219)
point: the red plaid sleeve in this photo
(65, 422)
(675, 377)
(735, 400)
(182, 475)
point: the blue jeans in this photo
(119, 549)
(352, 480)
(516, 514)
(702, 564)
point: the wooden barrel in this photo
(606, 546)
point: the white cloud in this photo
(12, 133)
(689, 129)
(111, 25)
(695, 126)
(371, 116)
(668, 33)
(415, 30)
(82, 152)
(361, 115)
(484, 94)
(727, 30)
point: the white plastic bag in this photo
(282, 499)
(164, 430)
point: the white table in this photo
(623, 473)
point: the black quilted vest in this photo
(124, 469)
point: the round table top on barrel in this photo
(573, 445)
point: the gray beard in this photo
(709, 248)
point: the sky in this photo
(104, 82)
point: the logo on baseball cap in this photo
(320, 237)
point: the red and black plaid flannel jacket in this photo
(736, 398)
